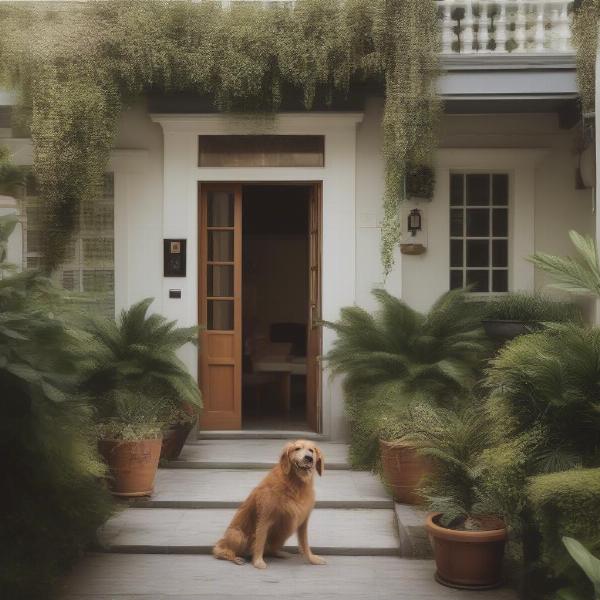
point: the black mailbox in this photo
(174, 258)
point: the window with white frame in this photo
(89, 264)
(479, 231)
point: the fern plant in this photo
(137, 353)
(578, 274)
(550, 382)
(399, 356)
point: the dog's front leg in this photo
(260, 539)
(313, 559)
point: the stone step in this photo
(249, 454)
(153, 577)
(228, 488)
(356, 532)
(260, 434)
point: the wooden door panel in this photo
(220, 304)
(313, 366)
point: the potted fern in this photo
(398, 357)
(137, 355)
(468, 538)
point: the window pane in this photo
(98, 250)
(478, 190)
(220, 246)
(456, 253)
(500, 281)
(500, 189)
(456, 280)
(457, 190)
(479, 279)
(478, 253)
(220, 209)
(456, 222)
(500, 253)
(220, 280)
(70, 280)
(98, 281)
(478, 222)
(220, 315)
(500, 222)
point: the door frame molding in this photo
(339, 220)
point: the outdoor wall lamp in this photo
(414, 221)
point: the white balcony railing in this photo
(506, 26)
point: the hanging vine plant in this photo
(75, 69)
(585, 27)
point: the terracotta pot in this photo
(132, 465)
(403, 469)
(174, 440)
(468, 559)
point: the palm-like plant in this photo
(588, 563)
(550, 382)
(456, 442)
(399, 356)
(137, 353)
(579, 274)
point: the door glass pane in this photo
(500, 189)
(220, 246)
(456, 253)
(478, 253)
(500, 281)
(500, 222)
(220, 209)
(478, 222)
(478, 190)
(220, 280)
(500, 253)
(220, 315)
(479, 279)
(456, 280)
(456, 222)
(457, 190)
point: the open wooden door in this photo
(313, 354)
(220, 304)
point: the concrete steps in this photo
(347, 532)
(227, 488)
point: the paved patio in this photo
(159, 548)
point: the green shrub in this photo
(531, 308)
(550, 381)
(566, 504)
(399, 356)
(53, 498)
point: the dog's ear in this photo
(320, 461)
(285, 461)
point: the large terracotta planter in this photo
(132, 465)
(174, 440)
(468, 559)
(403, 470)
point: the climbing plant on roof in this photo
(75, 67)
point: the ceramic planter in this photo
(132, 465)
(404, 469)
(174, 440)
(468, 559)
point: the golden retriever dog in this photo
(278, 507)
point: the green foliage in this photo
(136, 355)
(550, 381)
(586, 560)
(585, 41)
(420, 182)
(7, 226)
(456, 442)
(399, 356)
(579, 274)
(566, 504)
(53, 499)
(531, 308)
(12, 178)
(76, 68)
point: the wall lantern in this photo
(414, 221)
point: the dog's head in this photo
(303, 457)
